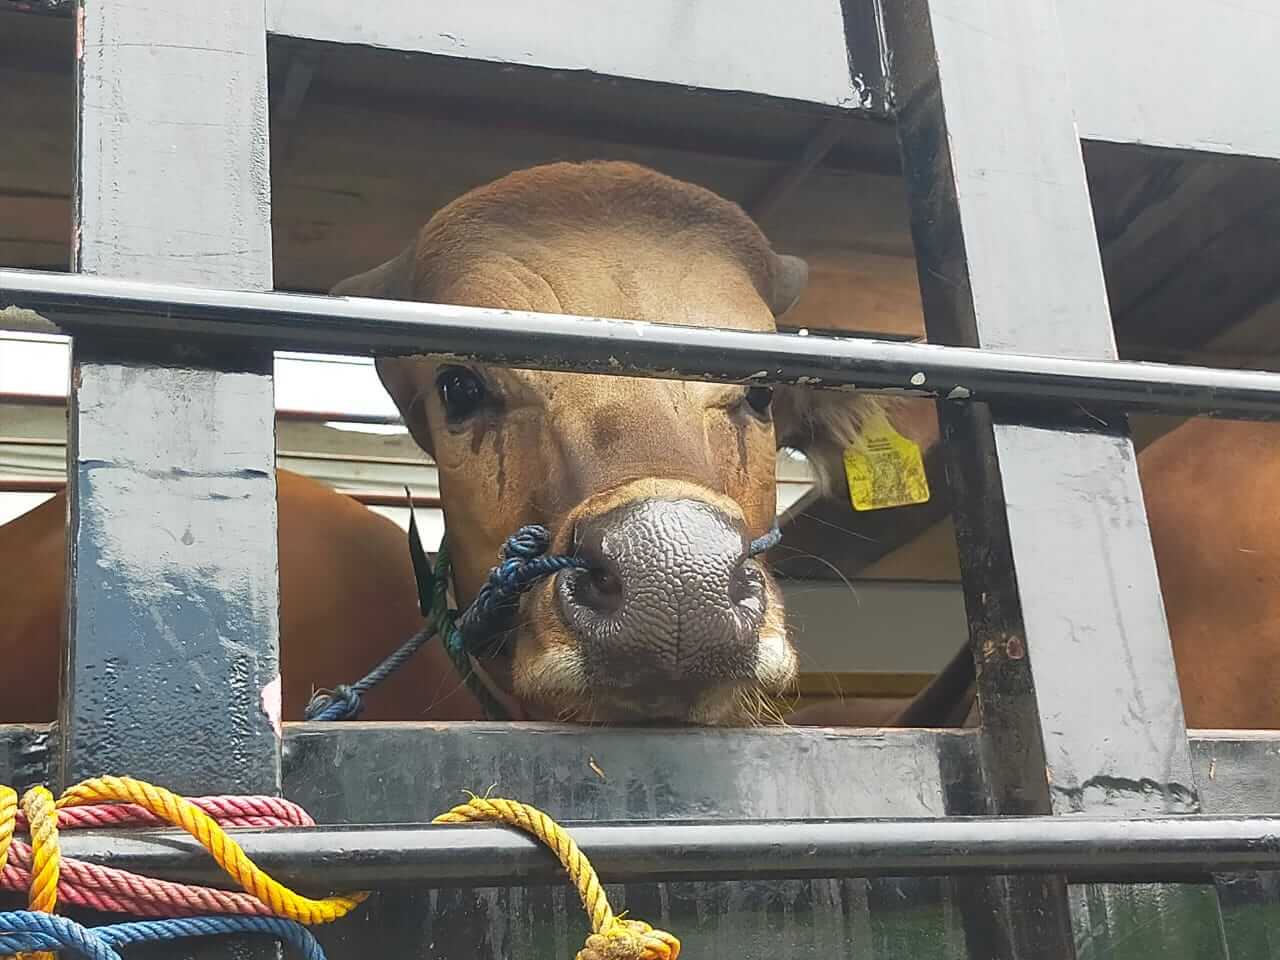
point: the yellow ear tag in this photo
(884, 468)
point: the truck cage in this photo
(1081, 820)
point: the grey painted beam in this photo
(793, 50)
(1169, 73)
(1056, 558)
(171, 668)
(1199, 74)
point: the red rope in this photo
(112, 890)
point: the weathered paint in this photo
(174, 594)
(795, 51)
(1058, 570)
(1196, 75)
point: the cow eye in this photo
(461, 391)
(759, 399)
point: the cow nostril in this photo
(598, 589)
(606, 583)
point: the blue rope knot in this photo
(341, 703)
(522, 562)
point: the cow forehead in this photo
(682, 279)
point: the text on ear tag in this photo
(884, 468)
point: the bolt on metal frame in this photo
(172, 641)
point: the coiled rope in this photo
(265, 906)
(22, 930)
(612, 937)
(477, 631)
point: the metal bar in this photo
(357, 856)
(1238, 776)
(367, 498)
(794, 51)
(8, 398)
(129, 311)
(172, 667)
(1057, 565)
(1125, 57)
(408, 773)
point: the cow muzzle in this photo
(670, 617)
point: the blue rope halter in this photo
(478, 631)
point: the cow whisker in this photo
(829, 565)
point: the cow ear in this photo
(790, 276)
(406, 379)
(392, 280)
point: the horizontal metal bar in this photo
(363, 857)
(282, 321)
(366, 497)
(8, 398)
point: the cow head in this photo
(658, 485)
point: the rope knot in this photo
(630, 940)
(523, 563)
(342, 703)
(527, 543)
(613, 938)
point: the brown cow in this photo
(1211, 492)
(347, 599)
(658, 485)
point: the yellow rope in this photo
(42, 814)
(612, 937)
(228, 854)
(8, 820)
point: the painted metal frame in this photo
(131, 311)
(172, 636)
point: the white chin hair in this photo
(557, 680)
(776, 662)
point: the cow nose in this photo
(667, 592)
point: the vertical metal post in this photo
(171, 670)
(1078, 696)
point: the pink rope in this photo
(228, 811)
(111, 890)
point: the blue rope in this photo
(524, 562)
(476, 632)
(344, 702)
(25, 930)
(765, 542)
